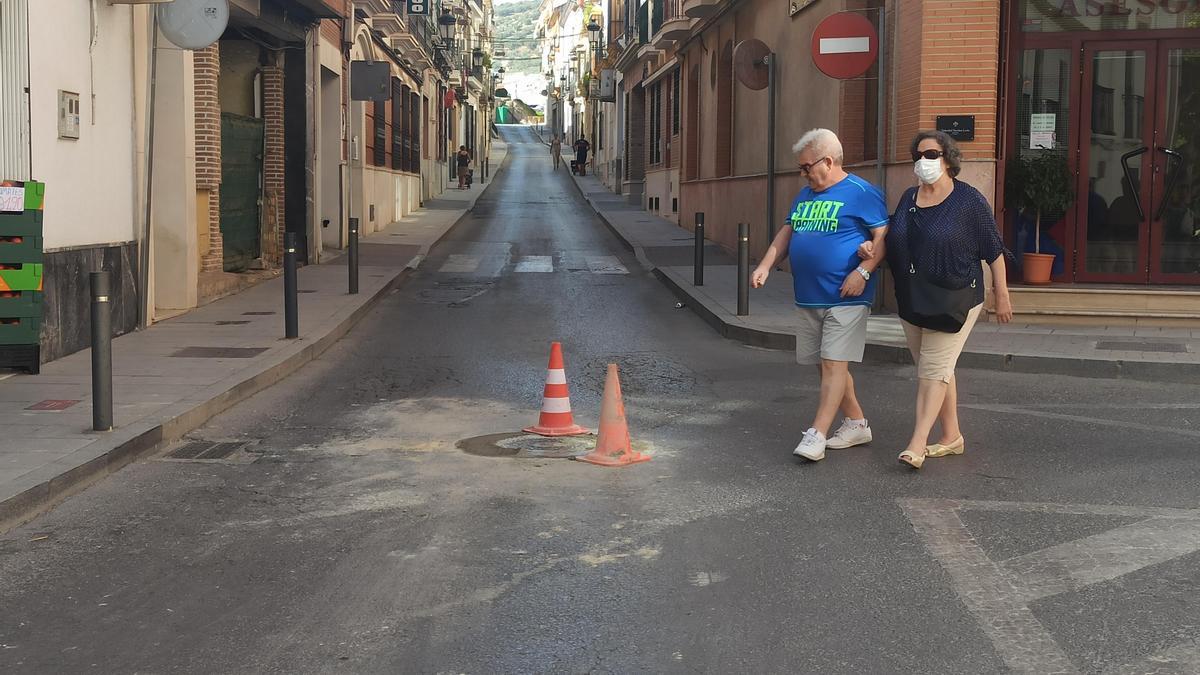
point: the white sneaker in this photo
(812, 446)
(850, 434)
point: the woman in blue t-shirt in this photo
(943, 230)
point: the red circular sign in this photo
(845, 45)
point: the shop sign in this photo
(1090, 15)
(1076, 8)
(418, 6)
(1042, 128)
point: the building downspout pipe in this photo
(144, 249)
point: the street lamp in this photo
(594, 35)
(477, 58)
(446, 25)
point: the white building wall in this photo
(90, 182)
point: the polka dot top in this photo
(949, 239)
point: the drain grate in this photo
(218, 352)
(205, 450)
(231, 323)
(1165, 347)
(258, 313)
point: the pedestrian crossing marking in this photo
(605, 264)
(458, 263)
(535, 263)
(492, 265)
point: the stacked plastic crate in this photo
(21, 262)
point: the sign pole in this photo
(771, 66)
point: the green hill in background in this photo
(516, 34)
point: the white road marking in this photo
(535, 263)
(999, 593)
(458, 263)
(605, 264)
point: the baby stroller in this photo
(470, 177)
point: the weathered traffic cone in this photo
(612, 445)
(556, 418)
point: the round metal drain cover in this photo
(527, 446)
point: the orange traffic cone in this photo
(556, 418)
(613, 447)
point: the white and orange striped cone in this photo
(556, 418)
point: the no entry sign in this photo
(845, 45)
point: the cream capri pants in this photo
(936, 353)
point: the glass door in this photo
(1117, 160)
(1175, 216)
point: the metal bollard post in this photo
(352, 256)
(743, 300)
(698, 265)
(291, 320)
(102, 402)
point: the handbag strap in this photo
(912, 260)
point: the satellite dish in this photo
(193, 24)
(749, 64)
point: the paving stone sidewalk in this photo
(177, 374)
(1156, 354)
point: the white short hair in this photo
(822, 141)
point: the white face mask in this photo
(928, 170)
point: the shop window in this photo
(1043, 102)
(1102, 110)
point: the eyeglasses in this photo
(927, 154)
(807, 167)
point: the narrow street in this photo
(351, 534)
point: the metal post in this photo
(102, 402)
(771, 59)
(291, 319)
(698, 266)
(880, 166)
(743, 301)
(352, 256)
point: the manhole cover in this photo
(219, 352)
(527, 446)
(202, 450)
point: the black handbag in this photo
(930, 304)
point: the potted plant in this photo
(1041, 183)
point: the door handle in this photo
(1172, 156)
(1133, 188)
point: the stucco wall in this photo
(90, 181)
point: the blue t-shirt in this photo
(827, 228)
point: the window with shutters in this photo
(379, 149)
(399, 159)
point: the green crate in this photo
(27, 224)
(21, 303)
(35, 195)
(20, 277)
(25, 330)
(20, 249)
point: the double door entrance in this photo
(1126, 114)
(1137, 213)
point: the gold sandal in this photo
(912, 459)
(958, 447)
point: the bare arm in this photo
(1004, 310)
(774, 253)
(871, 252)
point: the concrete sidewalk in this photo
(1154, 354)
(177, 374)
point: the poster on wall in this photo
(1041, 131)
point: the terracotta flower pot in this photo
(1035, 268)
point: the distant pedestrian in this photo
(464, 162)
(556, 150)
(939, 234)
(834, 291)
(581, 152)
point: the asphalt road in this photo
(352, 535)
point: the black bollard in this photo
(291, 319)
(352, 259)
(698, 265)
(743, 301)
(102, 401)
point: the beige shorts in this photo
(831, 334)
(936, 353)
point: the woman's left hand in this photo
(1004, 310)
